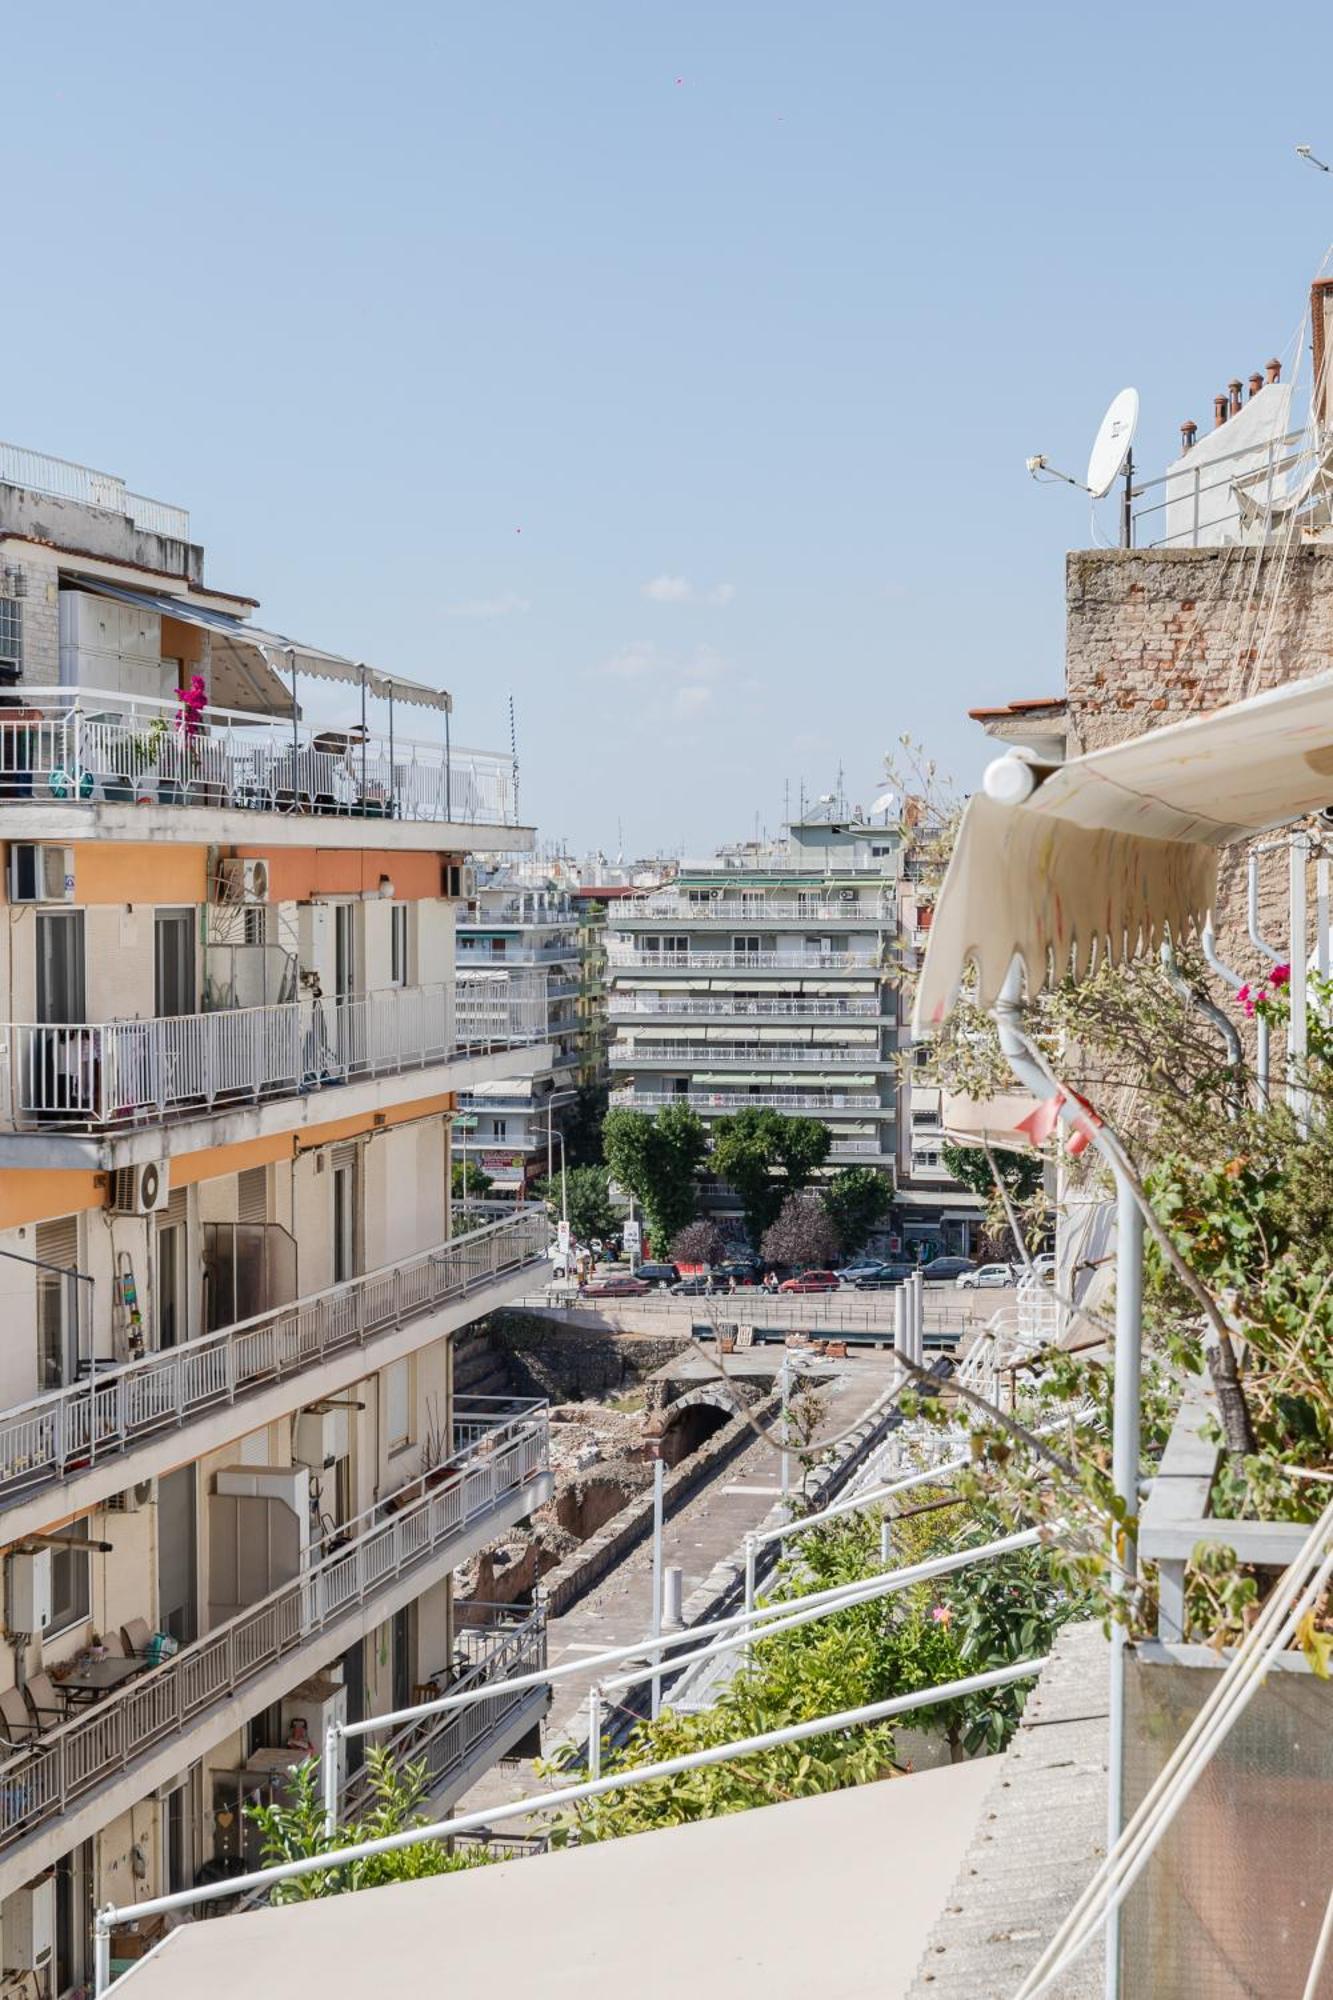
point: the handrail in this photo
(627, 958)
(48, 1778)
(742, 1054)
(628, 1002)
(98, 1075)
(67, 1430)
(741, 1100)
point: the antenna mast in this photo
(513, 751)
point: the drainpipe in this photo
(1126, 1412)
(1298, 1094)
(1208, 1007)
(1261, 944)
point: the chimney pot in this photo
(1189, 430)
(1234, 386)
(1274, 370)
(1219, 411)
(1256, 384)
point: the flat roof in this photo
(649, 1915)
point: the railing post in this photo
(595, 1730)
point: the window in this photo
(344, 1214)
(398, 1405)
(71, 1595)
(60, 987)
(398, 961)
(57, 1248)
(499, 1128)
(11, 638)
(173, 948)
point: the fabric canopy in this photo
(1118, 849)
(250, 648)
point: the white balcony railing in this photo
(108, 1074)
(93, 746)
(67, 480)
(745, 1100)
(628, 1001)
(740, 1055)
(669, 962)
(67, 1430)
(512, 1643)
(48, 1778)
(675, 908)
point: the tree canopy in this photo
(471, 1185)
(766, 1156)
(657, 1157)
(591, 1210)
(700, 1242)
(803, 1233)
(855, 1200)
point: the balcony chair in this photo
(138, 1637)
(113, 1645)
(44, 1701)
(17, 1728)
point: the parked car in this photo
(811, 1281)
(742, 1269)
(658, 1275)
(860, 1267)
(693, 1288)
(946, 1267)
(984, 1277)
(618, 1286)
(885, 1278)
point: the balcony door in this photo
(61, 989)
(173, 962)
(177, 1556)
(343, 1177)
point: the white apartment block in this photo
(237, 1033)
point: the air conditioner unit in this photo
(134, 1498)
(321, 1438)
(40, 874)
(142, 1190)
(28, 1927)
(240, 881)
(460, 881)
(847, 895)
(28, 1590)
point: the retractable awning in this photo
(1117, 850)
(253, 658)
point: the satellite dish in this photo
(1112, 444)
(885, 802)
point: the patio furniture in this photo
(45, 1700)
(17, 1727)
(138, 1637)
(89, 1683)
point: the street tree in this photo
(854, 1201)
(469, 1183)
(700, 1242)
(767, 1156)
(658, 1157)
(803, 1233)
(591, 1210)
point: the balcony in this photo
(113, 1075)
(853, 1007)
(724, 1055)
(871, 911)
(745, 1100)
(74, 1778)
(98, 747)
(121, 1420)
(628, 958)
(455, 1746)
(39, 472)
(514, 954)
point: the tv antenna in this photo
(1112, 453)
(1304, 153)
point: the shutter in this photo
(343, 1156)
(251, 1195)
(175, 1210)
(58, 1242)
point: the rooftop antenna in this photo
(1112, 453)
(513, 752)
(1304, 153)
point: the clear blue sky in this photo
(673, 365)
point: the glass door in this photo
(173, 960)
(170, 1283)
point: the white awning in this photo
(1118, 849)
(243, 646)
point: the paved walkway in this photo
(710, 1527)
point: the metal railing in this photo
(722, 1055)
(98, 746)
(49, 1778)
(668, 962)
(513, 1644)
(740, 1100)
(1200, 500)
(81, 1076)
(40, 472)
(630, 1001)
(758, 910)
(519, 954)
(68, 1430)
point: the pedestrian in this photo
(731, 1285)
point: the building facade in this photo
(235, 1480)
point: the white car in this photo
(987, 1275)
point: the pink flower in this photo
(1242, 995)
(942, 1615)
(1280, 975)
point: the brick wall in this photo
(1155, 635)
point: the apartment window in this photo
(399, 974)
(71, 1593)
(398, 1405)
(60, 965)
(57, 1245)
(344, 1197)
(11, 638)
(667, 945)
(499, 1128)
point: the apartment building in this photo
(519, 926)
(235, 1480)
(767, 976)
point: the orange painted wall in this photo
(298, 873)
(114, 871)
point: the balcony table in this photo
(98, 1677)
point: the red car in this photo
(811, 1281)
(615, 1288)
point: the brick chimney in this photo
(1256, 384)
(1188, 432)
(1274, 370)
(1219, 411)
(1235, 386)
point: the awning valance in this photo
(1115, 850)
(248, 647)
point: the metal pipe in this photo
(329, 1780)
(595, 1730)
(1261, 944)
(1298, 1090)
(659, 1483)
(621, 1780)
(1206, 1005)
(1321, 916)
(786, 1439)
(1125, 1441)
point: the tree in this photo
(583, 1127)
(475, 1187)
(657, 1158)
(295, 1831)
(591, 1211)
(855, 1200)
(767, 1156)
(1020, 1174)
(802, 1234)
(700, 1242)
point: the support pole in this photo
(101, 1954)
(786, 1391)
(329, 1780)
(900, 1323)
(659, 1486)
(1125, 1478)
(886, 1539)
(595, 1730)
(1298, 1093)
(1321, 916)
